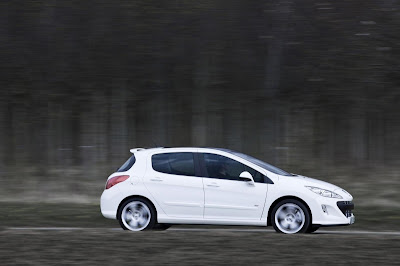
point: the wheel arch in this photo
(285, 198)
(137, 197)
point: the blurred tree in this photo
(295, 83)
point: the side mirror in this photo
(246, 176)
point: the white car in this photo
(158, 187)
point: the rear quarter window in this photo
(128, 164)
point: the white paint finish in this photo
(202, 200)
(178, 195)
(233, 199)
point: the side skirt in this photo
(170, 220)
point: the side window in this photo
(222, 167)
(257, 176)
(177, 163)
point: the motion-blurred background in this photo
(310, 86)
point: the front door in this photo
(227, 197)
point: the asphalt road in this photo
(195, 246)
(210, 230)
(68, 234)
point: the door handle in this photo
(157, 179)
(212, 185)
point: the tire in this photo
(290, 216)
(161, 227)
(137, 214)
(312, 228)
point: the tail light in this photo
(115, 180)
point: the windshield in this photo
(260, 163)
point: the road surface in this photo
(195, 246)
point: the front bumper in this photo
(327, 211)
(346, 207)
(352, 219)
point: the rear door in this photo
(172, 181)
(227, 197)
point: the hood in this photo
(308, 181)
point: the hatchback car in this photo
(161, 186)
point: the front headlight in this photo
(324, 192)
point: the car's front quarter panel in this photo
(290, 187)
(283, 189)
(325, 210)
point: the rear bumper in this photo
(109, 202)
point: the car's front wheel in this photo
(290, 216)
(312, 228)
(161, 227)
(137, 214)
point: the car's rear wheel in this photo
(137, 214)
(290, 216)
